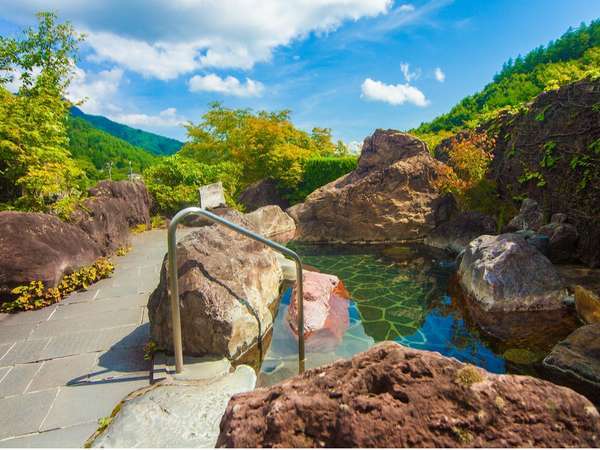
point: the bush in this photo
(35, 295)
(175, 180)
(319, 171)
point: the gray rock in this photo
(530, 217)
(390, 197)
(228, 286)
(458, 231)
(272, 222)
(174, 413)
(35, 246)
(562, 245)
(575, 361)
(505, 274)
(262, 193)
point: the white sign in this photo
(212, 195)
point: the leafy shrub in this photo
(175, 180)
(468, 162)
(35, 296)
(139, 228)
(158, 221)
(319, 171)
(122, 251)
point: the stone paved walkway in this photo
(64, 367)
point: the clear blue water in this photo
(399, 293)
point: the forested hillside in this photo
(573, 56)
(154, 143)
(94, 149)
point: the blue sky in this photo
(350, 65)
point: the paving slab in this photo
(87, 321)
(65, 366)
(63, 371)
(70, 437)
(24, 352)
(88, 402)
(120, 362)
(24, 413)
(14, 333)
(24, 317)
(17, 380)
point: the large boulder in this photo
(530, 217)
(505, 273)
(262, 193)
(513, 292)
(111, 210)
(576, 361)
(456, 233)
(326, 318)
(35, 246)
(562, 239)
(272, 222)
(391, 196)
(394, 396)
(228, 285)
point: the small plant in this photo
(150, 349)
(140, 228)
(469, 375)
(35, 296)
(532, 176)
(122, 251)
(548, 160)
(463, 436)
(158, 221)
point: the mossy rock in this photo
(521, 356)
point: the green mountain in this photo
(575, 55)
(154, 143)
(93, 149)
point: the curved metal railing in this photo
(174, 285)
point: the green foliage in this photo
(537, 177)
(175, 180)
(319, 171)
(93, 149)
(153, 143)
(262, 144)
(36, 169)
(574, 56)
(34, 295)
(548, 159)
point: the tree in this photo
(36, 168)
(262, 144)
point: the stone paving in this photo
(64, 367)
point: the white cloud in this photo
(95, 90)
(394, 94)
(439, 75)
(228, 86)
(355, 147)
(166, 118)
(408, 75)
(407, 7)
(168, 38)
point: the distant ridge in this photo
(153, 143)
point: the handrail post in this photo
(174, 285)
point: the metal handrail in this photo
(174, 285)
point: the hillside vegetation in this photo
(573, 56)
(154, 143)
(94, 149)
